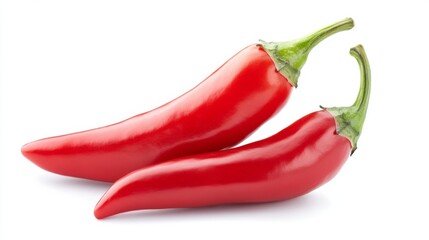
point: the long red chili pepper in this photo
(288, 164)
(218, 113)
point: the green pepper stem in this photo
(362, 100)
(289, 57)
(349, 120)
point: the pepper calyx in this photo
(289, 57)
(349, 120)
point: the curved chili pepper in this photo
(288, 164)
(218, 113)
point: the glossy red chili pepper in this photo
(288, 164)
(218, 113)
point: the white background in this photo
(73, 65)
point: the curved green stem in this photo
(350, 119)
(289, 57)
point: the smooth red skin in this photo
(218, 113)
(288, 164)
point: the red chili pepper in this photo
(288, 164)
(218, 113)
